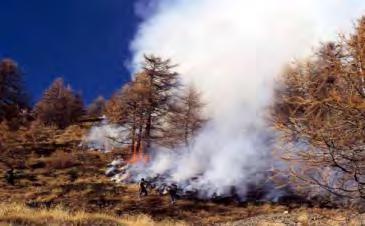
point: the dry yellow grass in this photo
(303, 218)
(69, 176)
(19, 214)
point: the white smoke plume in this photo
(104, 137)
(232, 50)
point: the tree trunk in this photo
(148, 131)
(150, 111)
(133, 132)
(186, 132)
(139, 138)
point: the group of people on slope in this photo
(171, 190)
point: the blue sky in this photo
(84, 41)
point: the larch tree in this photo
(186, 116)
(162, 83)
(59, 106)
(320, 113)
(13, 99)
(127, 107)
(143, 105)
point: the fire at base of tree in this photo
(154, 109)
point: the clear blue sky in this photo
(84, 41)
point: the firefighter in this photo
(10, 176)
(173, 193)
(143, 188)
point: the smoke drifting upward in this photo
(232, 50)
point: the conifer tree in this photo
(59, 106)
(319, 110)
(186, 117)
(162, 82)
(143, 106)
(127, 107)
(13, 99)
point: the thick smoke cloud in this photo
(232, 50)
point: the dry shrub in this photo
(61, 160)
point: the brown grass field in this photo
(66, 186)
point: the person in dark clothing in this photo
(143, 188)
(10, 177)
(173, 193)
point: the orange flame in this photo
(138, 156)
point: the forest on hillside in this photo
(318, 114)
(154, 107)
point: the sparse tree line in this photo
(59, 106)
(153, 108)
